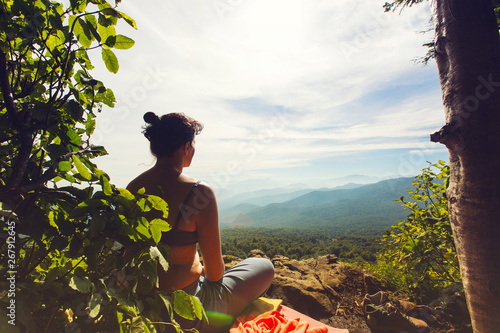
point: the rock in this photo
(372, 284)
(313, 286)
(257, 254)
(230, 261)
(333, 293)
(407, 306)
(386, 315)
(456, 306)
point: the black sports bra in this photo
(176, 236)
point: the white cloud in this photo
(323, 62)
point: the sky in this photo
(289, 91)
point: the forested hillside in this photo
(363, 211)
(344, 221)
(299, 243)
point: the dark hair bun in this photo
(150, 117)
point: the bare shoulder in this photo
(145, 180)
(136, 184)
(205, 189)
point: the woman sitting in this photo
(194, 219)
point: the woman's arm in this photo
(207, 225)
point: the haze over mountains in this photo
(350, 207)
(226, 189)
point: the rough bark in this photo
(468, 59)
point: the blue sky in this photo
(291, 91)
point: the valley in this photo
(303, 223)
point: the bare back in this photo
(200, 215)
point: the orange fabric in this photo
(273, 322)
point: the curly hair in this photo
(169, 132)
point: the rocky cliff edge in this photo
(332, 292)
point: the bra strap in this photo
(188, 196)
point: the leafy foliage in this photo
(81, 251)
(391, 6)
(419, 255)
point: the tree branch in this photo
(447, 135)
(6, 91)
(51, 171)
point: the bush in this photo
(418, 255)
(64, 262)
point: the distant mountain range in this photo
(232, 189)
(348, 207)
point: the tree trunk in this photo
(468, 59)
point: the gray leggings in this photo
(240, 285)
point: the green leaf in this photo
(78, 6)
(154, 252)
(73, 136)
(123, 42)
(81, 284)
(143, 230)
(110, 12)
(148, 327)
(92, 26)
(106, 186)
(148, 269)
(82, 170)
(58, 243)
(64, 166)
(107, 97)
(126, 194)
(88, 81)
(107, 21)
(90, 126)
(110, 42)
(128, 309)
(75, 246)
(119, 317)
(110, 60)
(166, 300)
(157, 226)
(69, 178)
(83, 58)
(97, 223)
(98, 151)
(183, 305)
(159, 204)
(51, 216)
(91, 255)
(198, 308)
(82, 33)
(129, 20)
(55, 40)
(95, 305)
(137, 325)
